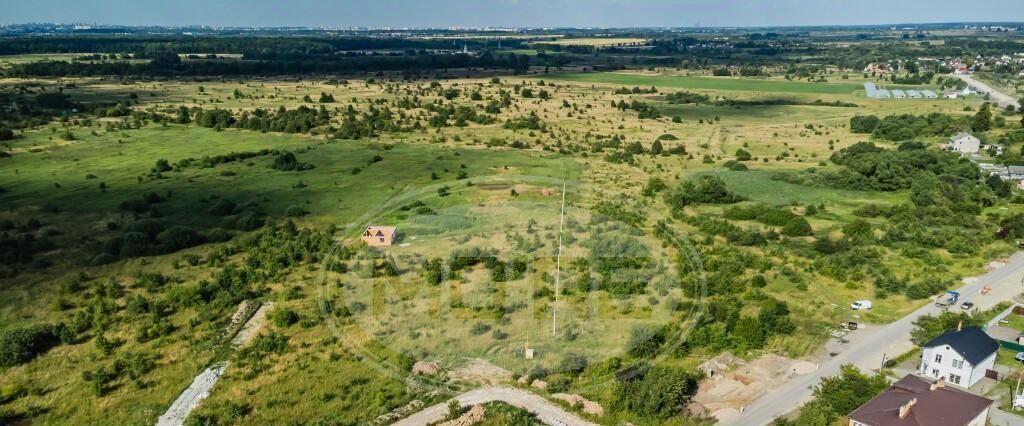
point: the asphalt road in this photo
(997, 417)
(546, 411)
(880, 341)
(995, 96)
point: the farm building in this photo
(378, 236)
(1005, 172)
(874, 92)
(929, 94)
(899, 94)
(914, 94)
(964, 143)
(877, 69)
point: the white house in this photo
(964, 143)
(960, 357)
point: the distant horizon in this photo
(495, 27)
(524, 14)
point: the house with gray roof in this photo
(961, 357)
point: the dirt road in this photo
(997, 97)
(546, 411)
(191, 397)
(880, 341)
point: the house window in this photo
(953, 378)
(935, 372)
(958, 363)
(938, 358)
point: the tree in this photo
(797, 226)
(184, 116)
(864, 124)
(982, 121)
(929, 327)
(706, 190)
(859, 231)
(839, 395)
(742, 155)
(162, 166)
(661, 393)
(1000, 187)
(656, 148)
(644, 341)
(20, 345)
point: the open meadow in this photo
(701, 215)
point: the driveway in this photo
(546, 411)
(880, 341)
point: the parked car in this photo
(966, 306)
(1020, 356)
(861, 305)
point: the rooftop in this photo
(924, 403)
(972, 343)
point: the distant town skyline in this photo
(508, 13)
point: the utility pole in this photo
(558, 264)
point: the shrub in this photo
(286, 161)
(178, 237)
(644, 342)
(21, 345)
(797, 227)
(742, 155)
(479, 328)
(283, 317)
(295, 211)
(222, 207)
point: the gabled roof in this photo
(941, 406)
(379, 231)
(972, 343)
(962, 136)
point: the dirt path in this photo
(546, 411)
(190, 398)
(999, 98)
(252, 326)
(203, 383)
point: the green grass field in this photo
(497, 197)
(773, 85)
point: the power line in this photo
(558, 262)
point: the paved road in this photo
(997, 97)
(888, 340)
(998, 417)
(546, 411)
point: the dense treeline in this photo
(947, 195)
(249, 47)
(170, 65)
(870, 167)
(905, 127)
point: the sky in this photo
(508, 13)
